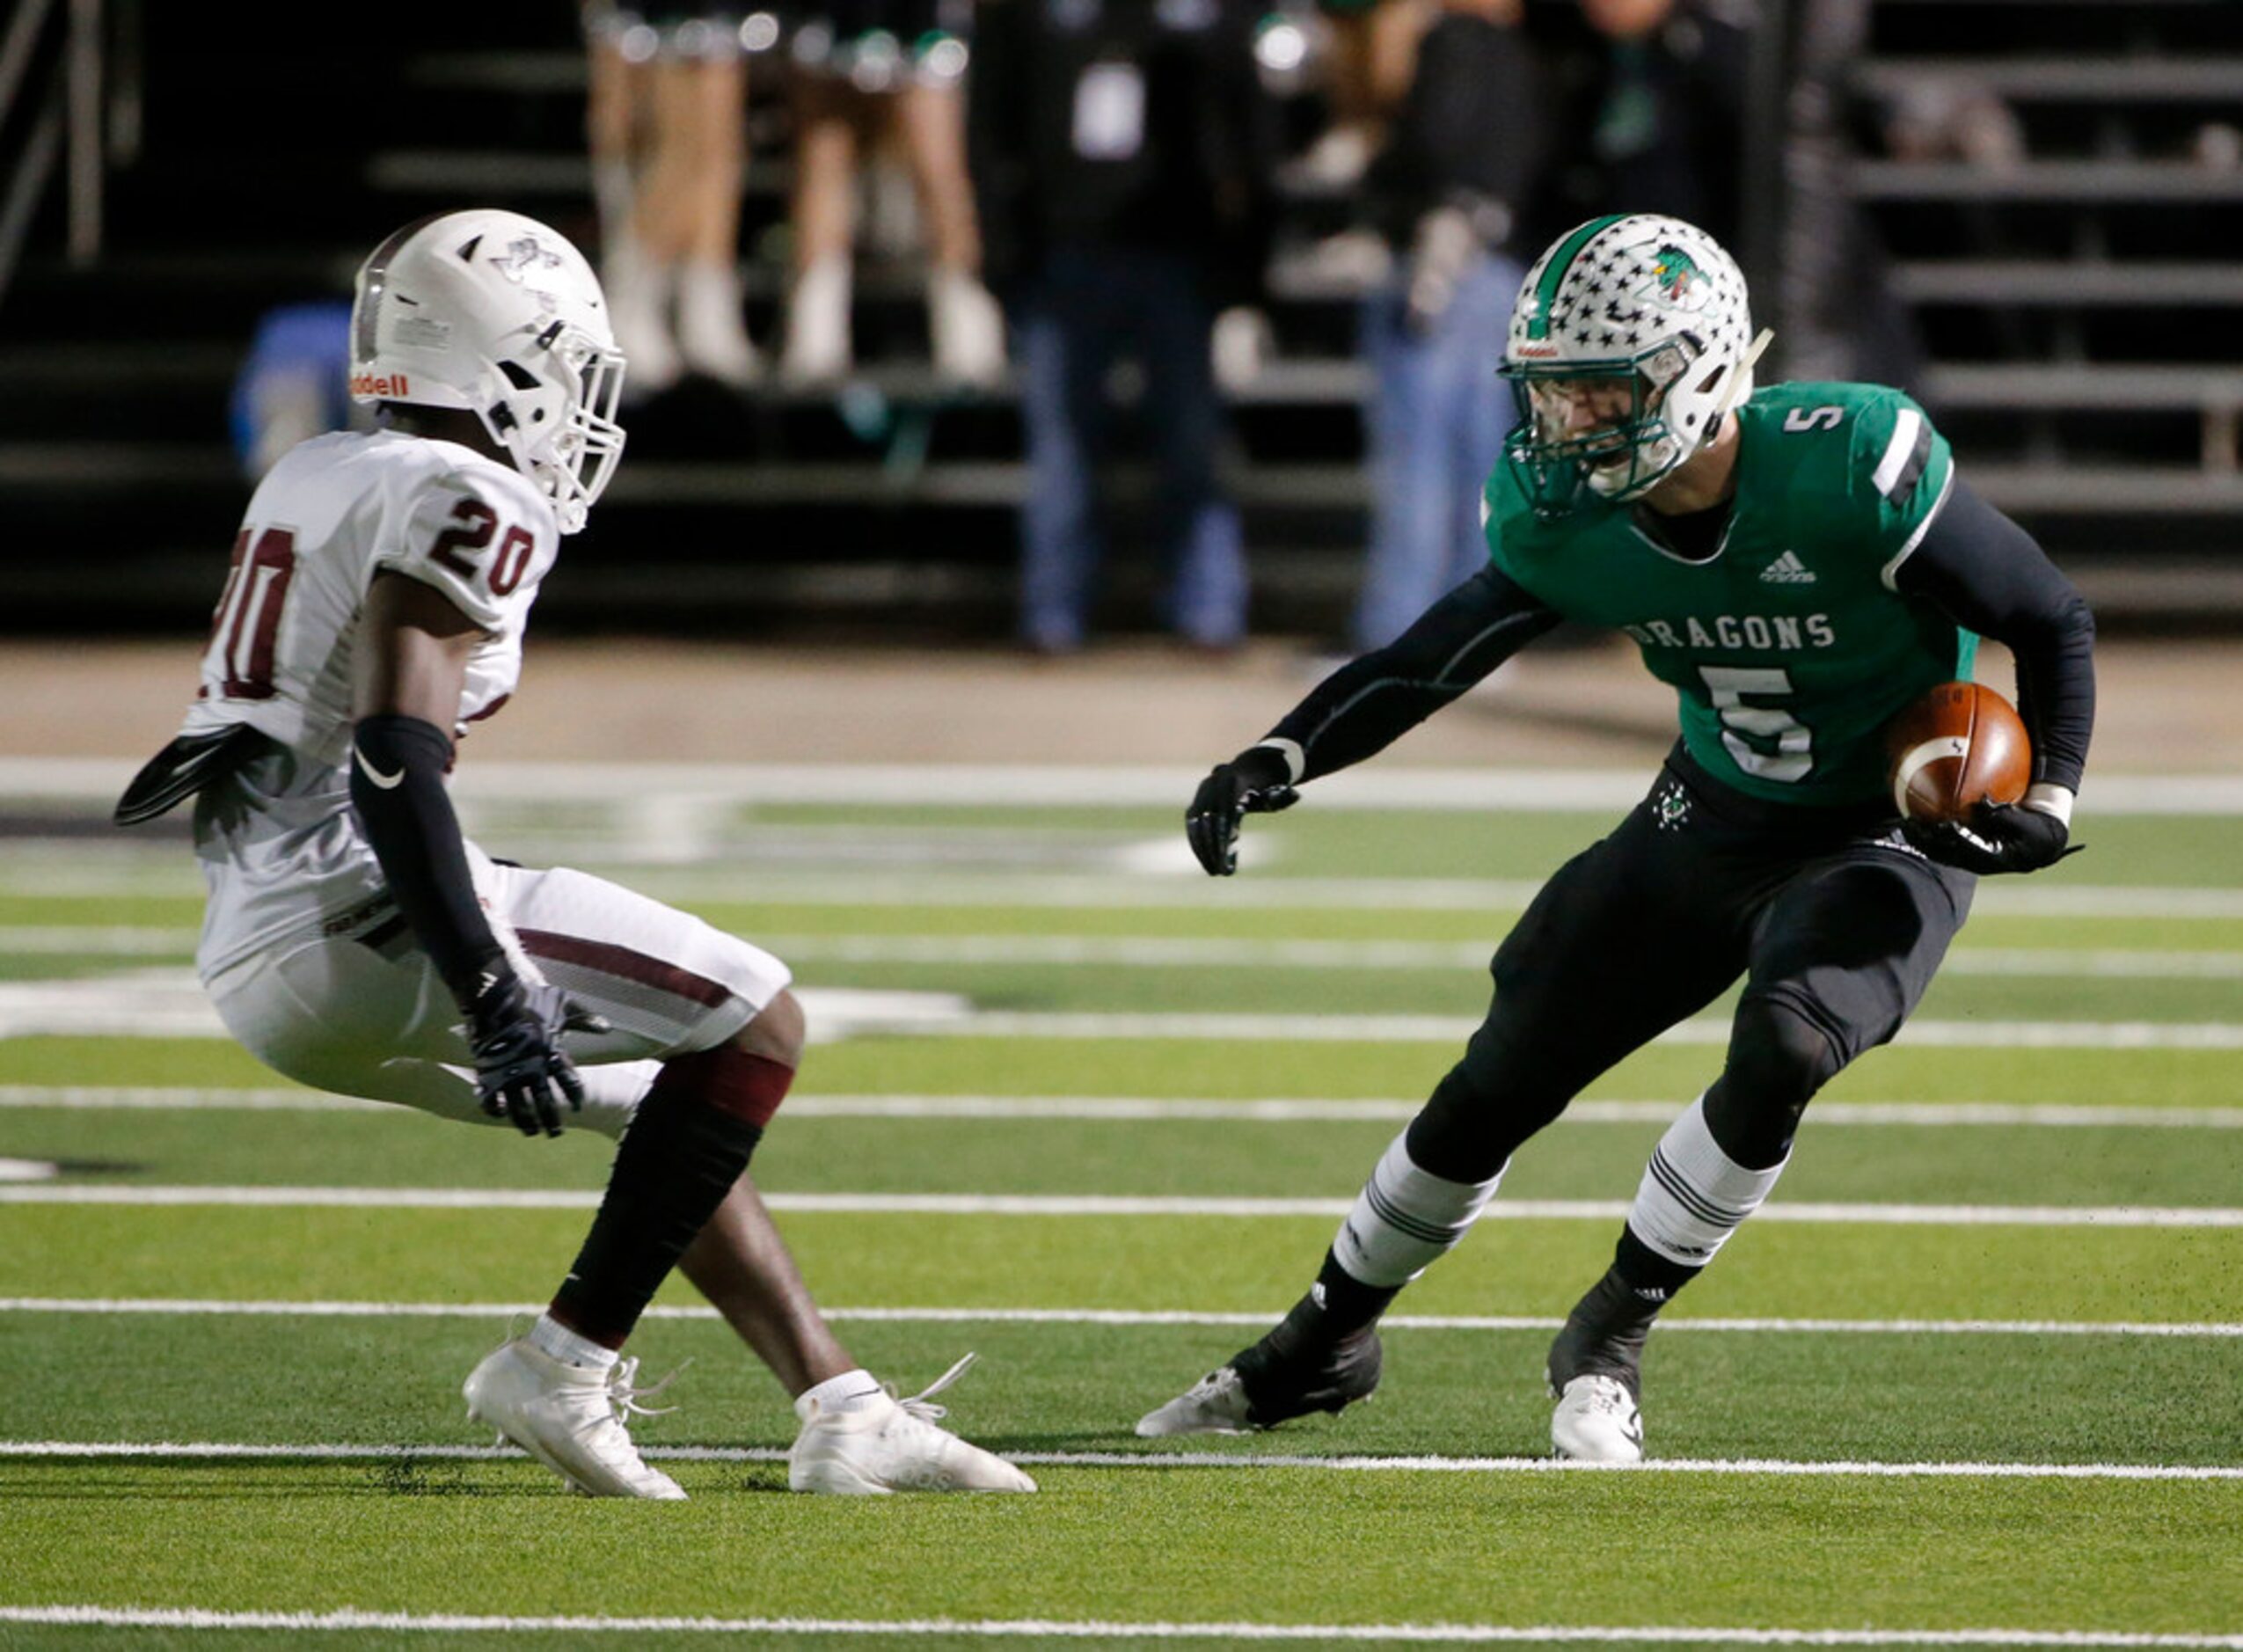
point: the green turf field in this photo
(1974, 1375)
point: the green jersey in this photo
(1790, 647)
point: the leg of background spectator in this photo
(963, 321)
(824, 224)
(1196, 527)
(1065, 347)
(700, 107)
(615, 117)
(1483, 410)
(1410, 513)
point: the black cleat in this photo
(1283, 1376)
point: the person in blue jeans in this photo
(1460, 154)
(1085, 312)
(1123, 156)
(1435, 422)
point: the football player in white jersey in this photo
(356, 941)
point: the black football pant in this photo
(1836, 926)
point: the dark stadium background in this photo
(2081, 312)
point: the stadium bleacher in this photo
(2081, 306)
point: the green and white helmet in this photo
(1630, 338)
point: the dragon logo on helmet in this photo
(1676, 282)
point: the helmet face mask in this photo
(498, 315)
(1627, 346)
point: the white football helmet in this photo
(497, 314)
(1630, 338)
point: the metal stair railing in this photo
(85, 119)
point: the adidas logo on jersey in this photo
(1787, 569)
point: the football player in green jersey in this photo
(1800, 563)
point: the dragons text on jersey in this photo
(1789, 648)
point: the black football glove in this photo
(521, 1073)
(1997, 837)
(1257, 781)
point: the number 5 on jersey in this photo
(1766, 741)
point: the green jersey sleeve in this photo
(1899, 468)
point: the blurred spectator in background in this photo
(1443, 193)
(1646, 104)
(1372, 44)
(1123, 155)
(1838, 312)
(294, 383)
(666, 125)
(859, 63)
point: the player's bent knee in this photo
(779, 1031)
(740, 1085)
(1779, 1058)
(1780, 1053)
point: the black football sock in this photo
(1323, 1328)
(1605, 1331)
(687, 1145)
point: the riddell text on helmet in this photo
(379, 384)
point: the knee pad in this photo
(1779, 1058)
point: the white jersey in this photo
(280, 848)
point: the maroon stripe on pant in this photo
(624, 963)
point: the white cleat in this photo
(569, 1417)
(1216, 1404)
(885, 1444)
(1597, 1422)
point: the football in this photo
(1954, 747)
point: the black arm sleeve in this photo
(1372, 700)
(1984, 571)
(397, 786)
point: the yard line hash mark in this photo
(351, 1620)
(1100, 1205)
(269, 1308)
(1358, 1463)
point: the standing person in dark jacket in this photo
(1654, 90)
(1123, 153)
(1443, 191)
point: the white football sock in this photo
(1405, 1218)
(550, 1336)
(1693, 1195)
(844, 1392)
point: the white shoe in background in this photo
(638, 298)
(967, 328)
(817, 324)
(712, 331)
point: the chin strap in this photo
(1742, 375)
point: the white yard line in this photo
(137, 871)
(1392, 786)
(166, 1001)
(1140, 1109)
(1228, 1028)
(1151, 952)
(1205, 951)
(1096, 1205)
(195, 1308)
(1155, 1459)
(351, 1620)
